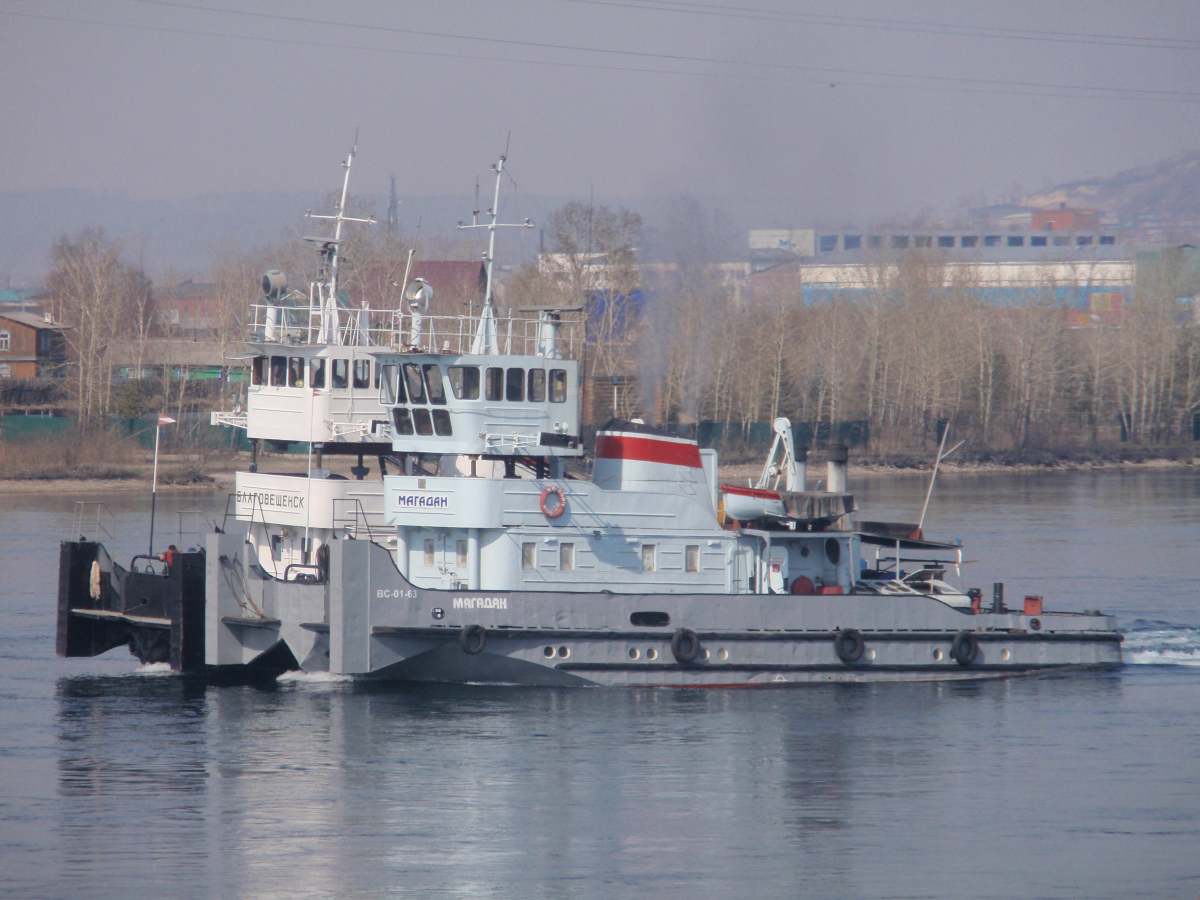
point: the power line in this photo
(942, 82)
(943, 28)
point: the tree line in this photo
(917, 345)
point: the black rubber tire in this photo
(849, 645)
(964, 649)
(473, 638)
(685, 646)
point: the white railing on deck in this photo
(518, 332)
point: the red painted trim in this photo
(647, 449)
(750, 492)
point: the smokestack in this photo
(835, 480)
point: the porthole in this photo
(722, 654)
(804, 551)
(870, 654)
(564, 652)
(1005, 655)
(704, 654)
(634, 653)
(937, 655)
(833, 551)
(548, 653)
(651, 653)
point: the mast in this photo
(485, 335)
(331, 256)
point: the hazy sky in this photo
(832, 111)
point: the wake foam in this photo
(153, 669)
(1151, 643)
(298, 677)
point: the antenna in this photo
(330, 249)
(485, 336)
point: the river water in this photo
(123, 781)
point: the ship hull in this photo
(380, 626)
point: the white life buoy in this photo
(562, 501)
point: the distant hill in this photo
(1158, 200)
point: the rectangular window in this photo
(402, 420)
(316, 373)
(257, 366)
(362, 373)
(1083, 240)
(558, 385)
(991, 240)
(648, 558)
(278, 371)
(1016, 240)
(969, 240)
(1108, 240)
(422, 422)
(875, 241)
(494, 389)
(296, 372)
(828, 243)
(852, 242)
(1062, 241)
(464, 382)
(441, 422)
(514, 385)
(924, 241)
(946, 241)
(414, 382)
(691, 558)
(429, 560)
(566, 557)
(341, 374)
(537, 385)
(461, 560)
(1037, 241)
(528, 556)
(388, 377)
(433, 384)
(899, 241)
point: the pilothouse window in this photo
(433, 384)
(256, 369)
(537, 385)
(388, 378)
(278, 371)
(317, 373)
(441, 423)
(362, 373)
(558, 385)
(416, 386)
(341, 374)
(422, 422)
(296, 372)
(464, 382)
(514, 385)
(495, 384)
(402, 420)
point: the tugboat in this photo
(488, 555)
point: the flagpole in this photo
(154, 483)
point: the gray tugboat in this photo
(487, 555)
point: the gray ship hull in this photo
(369, 621)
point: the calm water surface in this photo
(127, 782)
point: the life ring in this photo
(804, 586)
(562, 501)
(849, 645)
(964, 649)
(473, 638)
(685, 645)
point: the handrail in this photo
(80, 520)
(151, 562)
(319, 579)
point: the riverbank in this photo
(190, 474)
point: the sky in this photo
(799, 113)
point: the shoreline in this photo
(223, 479)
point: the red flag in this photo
(163, 420)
